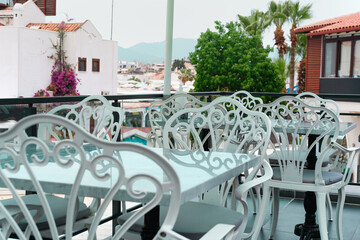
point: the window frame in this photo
(92, 64)
(79, 60)
(338, 39)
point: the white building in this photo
(26, 44)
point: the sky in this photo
(137, 21)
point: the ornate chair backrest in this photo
(44, 161)
(222, 125)
(293, 124)
(95, 114)
(314, 100)
(168, 108)
(221, 120)
(246, 99)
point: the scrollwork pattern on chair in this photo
(37, 158)
(293, 123)
(94, 113)
(161, 111)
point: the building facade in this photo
(333, 55)
(26, 43)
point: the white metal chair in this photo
(25, 216)
(222, 119)
(293, 122)
(313, 99)
(167, 108)
(95, 114)
(249, 101)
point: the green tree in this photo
(278, 15)
(296, 14)
(229, 60)
(256, 23)
(178, 63)
(301, 45)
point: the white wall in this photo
(25, 66)
(89, 45)
(9, 62)
(32, 13)
(27, 13)
(35, 66)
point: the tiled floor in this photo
(292, 212)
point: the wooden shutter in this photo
(48, 7)
(313, 64)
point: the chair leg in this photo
(260, 216)
(329, 207)
(253, 200)
(275, 213)
(272, 207)
(321, 214)
(339, 212)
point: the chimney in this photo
(18, 12)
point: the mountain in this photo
(155, 52)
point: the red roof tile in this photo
(345, 23)
(69, 27)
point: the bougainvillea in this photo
(41, 93)
(63, 78)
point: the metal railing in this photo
(29, 105)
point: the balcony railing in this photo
(17, 108)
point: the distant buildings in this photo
(26, 44)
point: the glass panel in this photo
(356, 71)
(345, 56)
(330, 59)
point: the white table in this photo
(198, 172)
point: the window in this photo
(345, 58)
(95, 65)
(330, 59)
(82, 64)
(356, 72)
(341, 56)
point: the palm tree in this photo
(256, 23)
(278, 16)
(186, 75)
(296, 15)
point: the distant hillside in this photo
(155, 52)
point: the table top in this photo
(198, 172)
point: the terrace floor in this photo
(292, 212)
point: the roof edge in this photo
(341, 30)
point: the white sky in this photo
(136, 21)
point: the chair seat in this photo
(194, 219)
(58, 207)
(309, 176)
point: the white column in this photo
(168, 47)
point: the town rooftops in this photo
(341, 24)
(69, 27)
